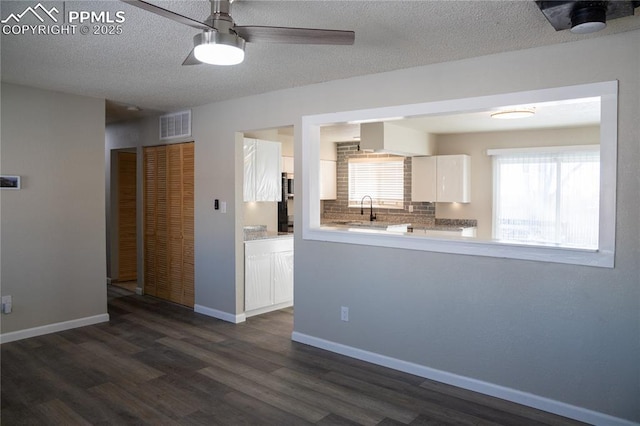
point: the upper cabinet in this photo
(262, 170)
(328, 181)
(441, 178)
(423, 179)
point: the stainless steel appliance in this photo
(283, 215)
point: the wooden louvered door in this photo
(169, 183)
(127, 239)
(188, 227)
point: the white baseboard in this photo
(513, 395)
(139, 291)
(52, 328)
(270, 308)
(225, 316)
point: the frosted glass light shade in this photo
(218, 48)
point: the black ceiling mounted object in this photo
(585, 16)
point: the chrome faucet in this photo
(372, 216)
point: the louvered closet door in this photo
(150, 171)
(169, 271)
(188, 270)
(161, 231)
(127, 239)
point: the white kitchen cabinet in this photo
(423, 179)
(441, 178)
(328, 182)
(257, 294)
(453, 179)
(262, 170)
(268, 280)
(287, 165)
(282, 274)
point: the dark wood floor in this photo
(158, 363)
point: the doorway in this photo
(127, 229)
(123, 267)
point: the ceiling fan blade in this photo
(191, 59)
(167, 14)
(259, 34)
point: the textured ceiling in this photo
(142, 66)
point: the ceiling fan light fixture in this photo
(513, 113)
(214, 48)
(589, 18)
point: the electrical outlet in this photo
(344, 313)
(6, 304)
(410, 209)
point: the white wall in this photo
(563, 333)
(476, 145)
(53, 229)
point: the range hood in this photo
(394, 139)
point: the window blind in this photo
(547, 197)
(380, 178)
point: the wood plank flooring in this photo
(161, 364)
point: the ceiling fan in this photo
(222, 42)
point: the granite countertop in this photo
(441, 227)
(259, 232)
(380, 224)
(268, 236)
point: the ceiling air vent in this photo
(175, 125)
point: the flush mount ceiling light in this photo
(583, 17)
(510, 114)
(212, 47)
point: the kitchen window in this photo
(547, 196)
(380, 178)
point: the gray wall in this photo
(53, 229)
(568, 333)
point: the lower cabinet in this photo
(268, 275)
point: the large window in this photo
(380, 178)
(547, 196)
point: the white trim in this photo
(543, 149)
(486, 388)
(464, 245)
(139, 291)
(269, 308)
(225, 316)
(52, 328)
(604, 257)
